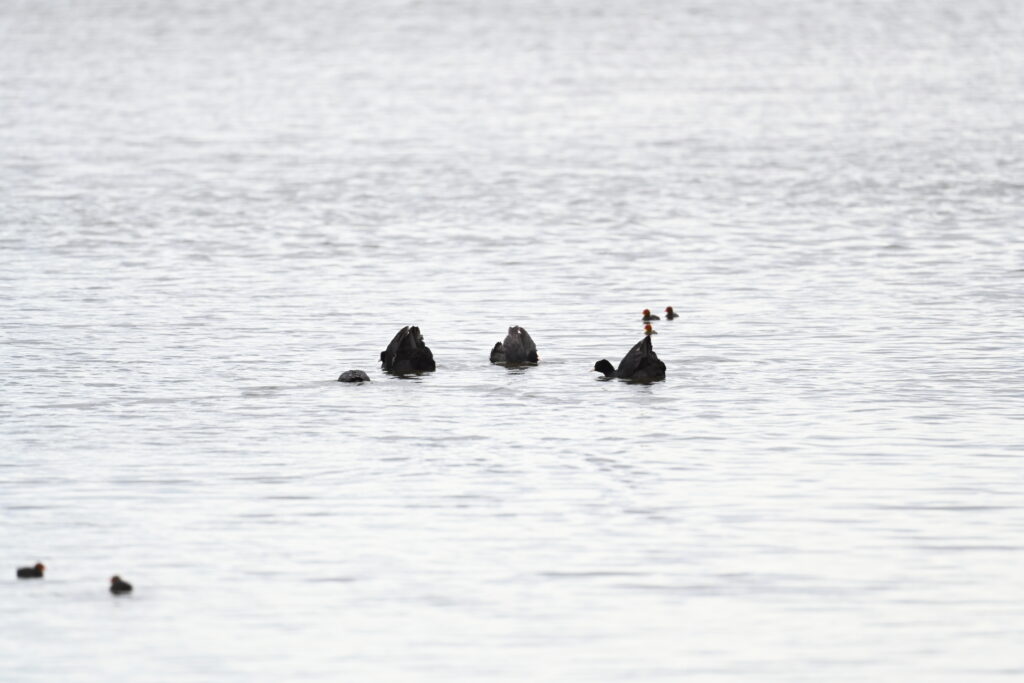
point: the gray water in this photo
(208, 210)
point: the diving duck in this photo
(517, 348)
(407, 353)
(641, 364)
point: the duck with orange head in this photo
(119, 586)
(35, 572)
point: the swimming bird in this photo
(649, 316)
(117, 586)
(670, 314)
(35, 572)
(641, 364)
(648, 330)
(407, 353)
(517, 348)
(353, 376)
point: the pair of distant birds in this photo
(408, 354)
(669, 314)
(117, 585)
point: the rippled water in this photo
(210, 209)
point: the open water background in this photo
(210, 209)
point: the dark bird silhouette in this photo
(641, 364)
(117, 586)
(670, 314)
(407, 353)
(35, 572)
(353, 376)
(649, 316)
(518, 348)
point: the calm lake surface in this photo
(208, 210)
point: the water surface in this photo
(208, 210)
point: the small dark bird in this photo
(670, 314)
(35, 572)
(648, 330)
(641, 364)
(354, 376)
(649, 316)
(407, 353)
(117, 586)
(518, 348)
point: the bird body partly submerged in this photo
(670, 314)
(407, 353)
(518, 348)
(118, 586)
(35, 572)
(641, 364)
(649, 316)
(353, 376)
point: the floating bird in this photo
(518, 348)
(354, 376)
(649, 316)
(35, 572)
(117, 586)
(670, 314)
(407, 353)
(648, 330)
(641, 364)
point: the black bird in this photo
(407, 353)
(353, 376)
(649, 316)
(117, 586)
(641, 364)
(518, 348)
(35, 572)
(670, 314)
